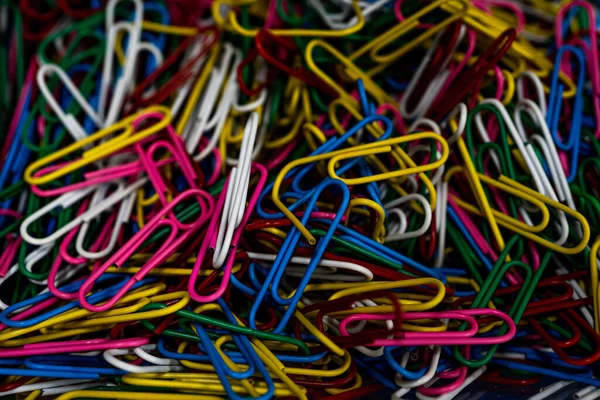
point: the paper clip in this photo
(72, 346)
(126, 136)
(68, 200)
(538, 88)
(432, 72)
(420, 235)
(209, 35)
(571, 143)
(471, 77)
(134, 31)
(548, 148)
(526, 151)
(445, 338)
(226, 370)
(392, 209)
(68, 120)
(590, 48)
(375, 47)
(234, 215)
(45, 300)
(234, 210)
(350, 68)
(265, 41)
(175, 147)
(36, 24)
(163, 365)
(359, 151)
(231, 19)
(203, 121)
(173, 241)
(276, 272)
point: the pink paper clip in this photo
(217, 163)
(180, 157)
(92, 178)
(8, 253)
(11, 245)
(177, 236)
(437, 338)
(72, 346)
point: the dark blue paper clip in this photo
(287, 249)
(555, 106)
(94, 298)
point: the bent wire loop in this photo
(173, 241)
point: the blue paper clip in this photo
(287, 249)
(93, 298)
(555, 105)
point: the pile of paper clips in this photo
(311, 199)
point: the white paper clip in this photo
(67, 200)
(135, 32)
(69, 121)
(237, 191)
(203, 121)
(392, 209)
(163, 364)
